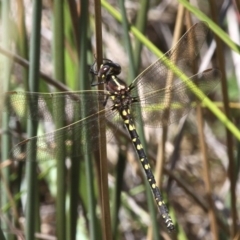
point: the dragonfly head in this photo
(109, 68)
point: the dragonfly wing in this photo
(165, 106)
(45, 105)
(182, 54)
(82, 132)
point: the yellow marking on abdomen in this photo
(160, 203)
(131, 127)
(124, 113)
(139, 146)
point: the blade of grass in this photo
(32, 200)
(121, 163)
(59, 73)
(141, 25)
(73, 10)
(229, 138)
(84, 85)
(71, 22)
(104, 193)
(1, 234)
(5, 143)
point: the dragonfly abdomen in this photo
(125, 114)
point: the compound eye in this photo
(103, 71)
(116, 69)
(108, 68)
(105, 68)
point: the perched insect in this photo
(159, 102)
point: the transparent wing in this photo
(82, 131)
(165, 106)
(182, 54)
(44, 105)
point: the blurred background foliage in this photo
(63, 199)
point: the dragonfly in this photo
(150, 97)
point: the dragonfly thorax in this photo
(114, 84)
(119, 93)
